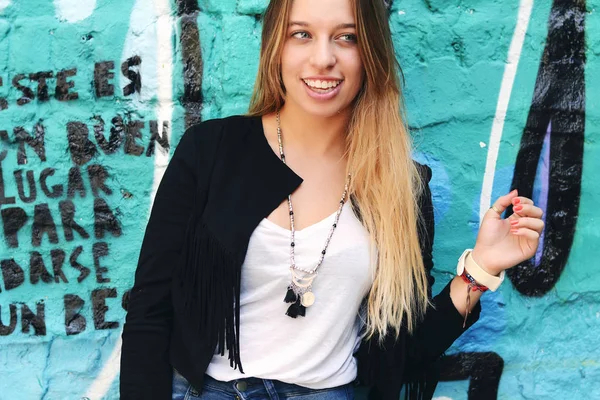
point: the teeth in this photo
(318, 84)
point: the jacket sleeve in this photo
(442, 323)
(146, 371)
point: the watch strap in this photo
(479, 274)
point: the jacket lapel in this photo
(249, 181)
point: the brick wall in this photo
(95, 95)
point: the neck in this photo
(314, 135)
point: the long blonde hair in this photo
(385, 183)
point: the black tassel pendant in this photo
(290, 296)
(296, 309)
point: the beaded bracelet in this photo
(472, 286)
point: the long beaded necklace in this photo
(299, 291)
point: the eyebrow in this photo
(339, 26)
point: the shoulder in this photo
(204, 143)
(424, 172)
(228, 128)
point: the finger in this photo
(521, 200)
(502, 203)
(527, 233)
(535, 224)
(528, 210)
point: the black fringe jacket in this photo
(222, 181)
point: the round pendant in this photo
(308, 299)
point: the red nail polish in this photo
(518, 208)
(515, 222)
(516, 200)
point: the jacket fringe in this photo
(212, 295)
(421, 380)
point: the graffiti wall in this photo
(95, 95)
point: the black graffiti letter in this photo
(35, 142)
(3, 102)
(132, 132)
(97, 175)
(116, 134)
(83, 271)
(13, 219)
(125, 300)
(67, 216)
(21, 189)
(37, 269)
(42, 89)
(100, 308)
(100, 250)
(58, 259)
(63, 86)
(483, 369)
(75, 183)
(3, 198)
(102, 73)
(81, 148)
(7, 330)
(104, 220)
(191, 55)
(38, 321)
(12, 274)
(57, 190)
(557, 117)
(74, 322)
(43, 223)
(156, 137)
(134, 77)
(28, 94)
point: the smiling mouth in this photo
(322, 86)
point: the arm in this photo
(501, 243)
(443, 322)
(145, 368)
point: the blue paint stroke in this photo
(541, 187)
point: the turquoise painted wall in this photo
(70, 242)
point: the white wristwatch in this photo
(479, 274)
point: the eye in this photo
(301, 35)
(348, 37)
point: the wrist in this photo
(481, 276)
(480, 260)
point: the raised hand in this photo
(504, 243)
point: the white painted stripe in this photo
(107, 375)
(74, 10)
(508, 80)
(4, 4)
(164, 31)
(164, 71)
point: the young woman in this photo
(288, 252)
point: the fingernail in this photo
(516, 200)
(518, 208)
(514, 230)
(515, 222)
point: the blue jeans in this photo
(255, 389)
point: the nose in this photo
(323, 55)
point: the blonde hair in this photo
(385, 183)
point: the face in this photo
(320, 66)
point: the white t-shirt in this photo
(315, 351)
